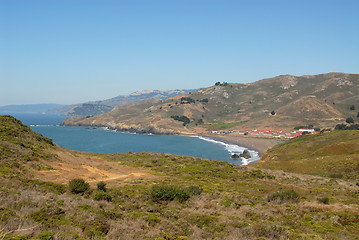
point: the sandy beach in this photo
(254, 143)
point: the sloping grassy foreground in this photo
(190, 198)
(332, 154)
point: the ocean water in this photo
(103, 140)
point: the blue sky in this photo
(72, 51)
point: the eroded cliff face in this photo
(121, 127)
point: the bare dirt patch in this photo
(73, 164)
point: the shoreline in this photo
(260, 145)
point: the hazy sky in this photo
(71, 51)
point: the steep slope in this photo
(25, 153)
(333, 154)
(309, 107)
(323, 100)
(183, 198)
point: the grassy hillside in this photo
(160, 196)
(21, 149)
(322, 100)
(332, 154)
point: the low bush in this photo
(169, 193)
(78, 186)
(57, 188)
(324, 200)
(101, 186)
(45, 235)
(102, 196)
(283, 196)
(183, 119)
(48, 215)
(194, 190)
(257, 174)
(6, 214)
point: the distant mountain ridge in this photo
(142, 95)
(281, 102)
(28, 108)
(99, 107)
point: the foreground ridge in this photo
(160, 196)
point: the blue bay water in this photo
(102, 140)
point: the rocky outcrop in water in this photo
(245, 154)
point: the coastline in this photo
(260, 145)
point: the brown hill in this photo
(281, 102)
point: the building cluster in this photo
(269, 133)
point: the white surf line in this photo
(233, 149)
(41, 125)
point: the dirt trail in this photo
(74, 164)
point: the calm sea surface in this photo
(102, 140)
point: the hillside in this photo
(99, 107)
(332, 154)
(160, 196)
(281, 102)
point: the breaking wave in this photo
(234, 149)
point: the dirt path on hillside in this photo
(92, 169)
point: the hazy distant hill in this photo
(99, 107)
(281, 102)
(27, 108)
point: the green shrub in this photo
(96, 229)
(78, 186)
(48, 215)
(6, 214)
(283, 196)
(112, 215)
(336, 175)
(169, 193)
(18, 237)
(101, 186)
(257, 174)
(152, 219)
(226, 203)
(57, 188)
(194, 190)
(324, 200)
(183, 119)
(102, 196)
(45, 235)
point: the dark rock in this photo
(235, 155)
(245, 154)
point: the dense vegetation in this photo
(186, 198)
(183, 119)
